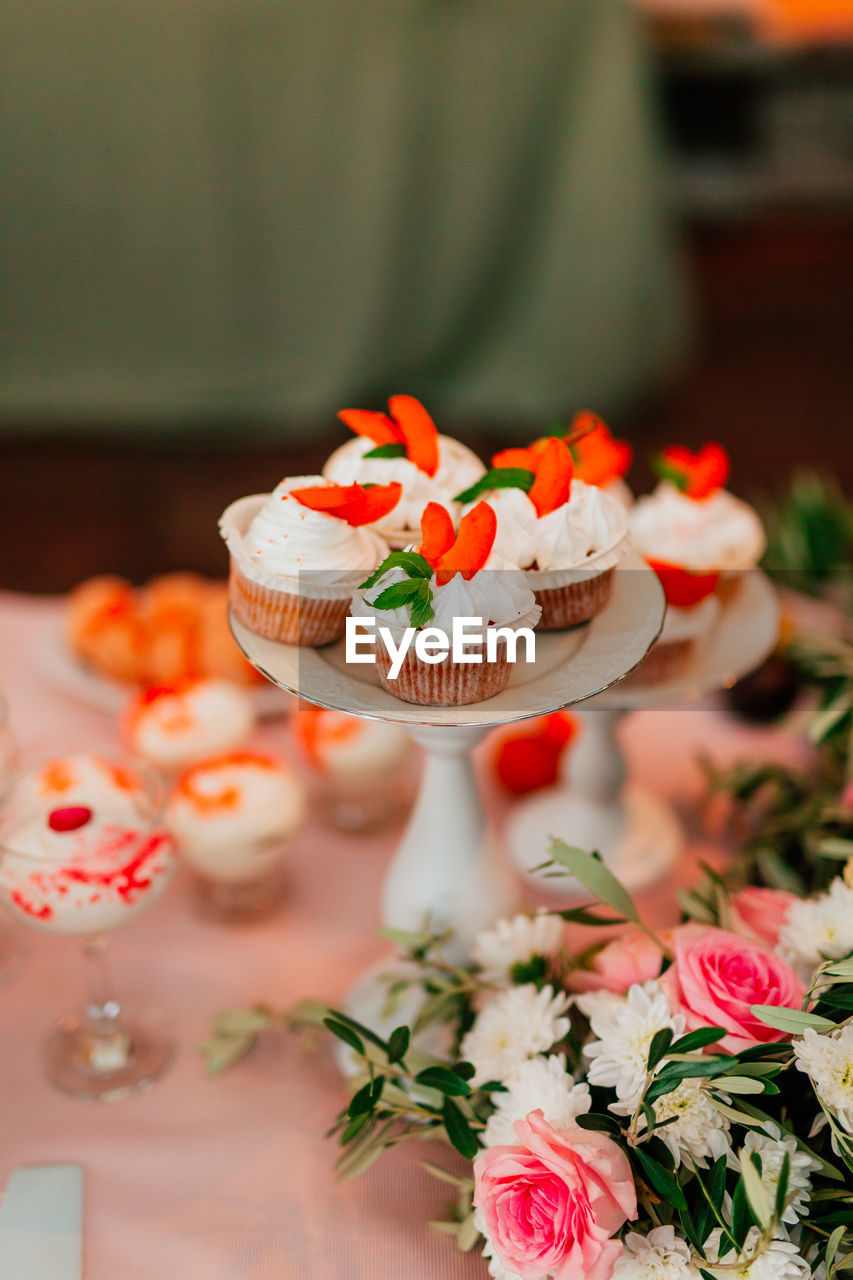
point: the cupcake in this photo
(298, 553)
(172, 727)
(691, 521)
(232, 815)
(567, 535)
(404, 446)
(452, 575)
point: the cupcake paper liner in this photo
(443, 684)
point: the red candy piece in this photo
(70, 818)
(682, 588)
(437, 532)
(354, 503)
(472, 547)
(702, 473)
(418, 431)
(553, 482)
(377, 427)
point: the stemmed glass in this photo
(10, 950)
(82, 851)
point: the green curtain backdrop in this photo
(270, 208)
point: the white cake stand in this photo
(594, 806)
(446, 873)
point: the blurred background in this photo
(223, 220)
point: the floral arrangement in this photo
(659, 1107)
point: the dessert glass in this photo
(105, 877)
(10, 949)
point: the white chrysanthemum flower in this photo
(625, 1027)
(540, 1084)
(696, 1132)
(661, 1255)
(772, 1148)
(514, 1025)
(828, 1062)
(496, 1268)
(781, 1260)
(517, 941)
(818, 929)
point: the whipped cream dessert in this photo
(592, 522)
(348, 749)
(458, 468)
(717, 532)
(286, 538)
(81, 847)
(231, 815)
(172, 728)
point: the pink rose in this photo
(631, 958)
(759, 914)
(847, 796)
(553, 1203)
(628, 959)
(716, 977)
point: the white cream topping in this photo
(179, 728)
(590, 522)
(372, 750)
(286, 537)
(458, 468)
(91, 878)
(719, 532)
(231, 817)
(498, 593)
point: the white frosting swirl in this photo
(497, 593)
(286, 537)
(458, 468)
(184, 725)
(719, 532)
(592, 521)
(231, 815)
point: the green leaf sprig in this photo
(498, 478)
(393, 450)
(414, 592)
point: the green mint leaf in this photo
(387, 451)
(411, 562)
(498, 478)
(666, 471)
(399, 593)
(422, 610)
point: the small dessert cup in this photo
(233, 817)
(361, 769)
(308, 608)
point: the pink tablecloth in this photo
(231, 1179)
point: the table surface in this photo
(231, 1179)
